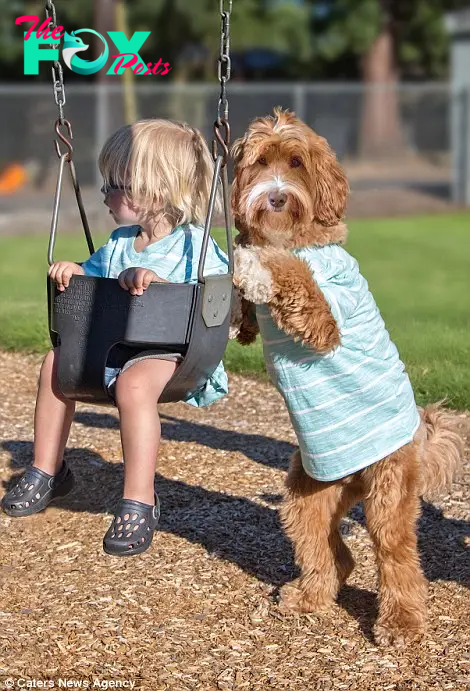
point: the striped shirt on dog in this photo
(355, 405)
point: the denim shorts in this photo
(112, 373)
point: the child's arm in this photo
(62, 272)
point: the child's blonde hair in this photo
(161, 164)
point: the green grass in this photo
(417, 269)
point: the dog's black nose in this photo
(277, 199)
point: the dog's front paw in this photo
(254, 280)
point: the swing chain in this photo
(224, 67)
(57, 72)
(58, 85)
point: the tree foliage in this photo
(320, 38)
(344, 30)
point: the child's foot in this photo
(132, 528)
(35, 490)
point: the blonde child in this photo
(157, 177)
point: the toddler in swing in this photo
(157, 179)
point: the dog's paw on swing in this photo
(253, 279)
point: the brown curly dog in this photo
(326, 348)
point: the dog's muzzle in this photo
(270, 194)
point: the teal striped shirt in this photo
(354, 405)
(174, 258)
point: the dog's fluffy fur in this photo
(280, 155)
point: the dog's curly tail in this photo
(443, 451)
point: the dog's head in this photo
(289, 190)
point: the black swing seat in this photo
(94, 314)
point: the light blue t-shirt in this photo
(174, 258)
(354, 405)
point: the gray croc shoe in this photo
(132, 528)
(35, 490)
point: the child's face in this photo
(121, 209)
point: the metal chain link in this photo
(221, 143)
(57, 72)
(224, 66)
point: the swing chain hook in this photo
(222, 139)
(224, 66)
(64, 123)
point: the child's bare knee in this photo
(143, 383)
(131, 389)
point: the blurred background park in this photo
(387, 82)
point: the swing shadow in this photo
(244, 533)
(231, 528)
(259, 448)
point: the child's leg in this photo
(52, 419)
(35, 489)
(137, 392)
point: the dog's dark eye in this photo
(295, 162)
(262, 161)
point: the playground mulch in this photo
(199, 609)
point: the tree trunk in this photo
(103, 21)
(381, 131)
(108, 114)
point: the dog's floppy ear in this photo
(237, 154)
(242, 152)
(237, 149)
(331, 184)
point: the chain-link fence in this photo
(413, 145)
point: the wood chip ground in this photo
(199, 610)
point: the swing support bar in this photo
(66, 158)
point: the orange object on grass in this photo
(13, 178)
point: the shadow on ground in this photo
(236, 529)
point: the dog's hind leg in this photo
(311, 514)
(391, 505)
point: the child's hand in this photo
(62, 272)
(136, 280)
